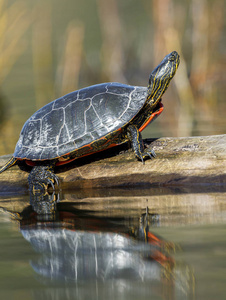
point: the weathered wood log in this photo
(179, 161)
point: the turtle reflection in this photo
(77, 246)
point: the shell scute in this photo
(119, 89)
(137, 97)
(32, 134)
(63, 136)
(65, 100)
(90, 92)
(42, 112)
(50, 134)
(75, 118)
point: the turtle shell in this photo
(78, 119)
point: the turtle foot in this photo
(135, 137)
(146, 154)
(41, 178)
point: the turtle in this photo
(89, 120)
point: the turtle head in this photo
(161, 76)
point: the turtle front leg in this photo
(41, 177)
(135, 137)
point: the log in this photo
(180, 161)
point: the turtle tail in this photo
(9, 164)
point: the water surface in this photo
(115, 244)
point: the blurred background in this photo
(51, 47)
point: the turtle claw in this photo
(141, 157)
(143, 161)
(151, 154)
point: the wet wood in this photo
(179, 162)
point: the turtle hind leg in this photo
(41, 177)
(135, 137)
(9, 164)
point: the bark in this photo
(180, 162)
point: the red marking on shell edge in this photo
(30, 163)
(60, 163)
(152, 116)
(64, 162)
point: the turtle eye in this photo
(173, 56)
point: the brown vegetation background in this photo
(52, 47)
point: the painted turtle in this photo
(90, 120)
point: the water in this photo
(115, 244)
